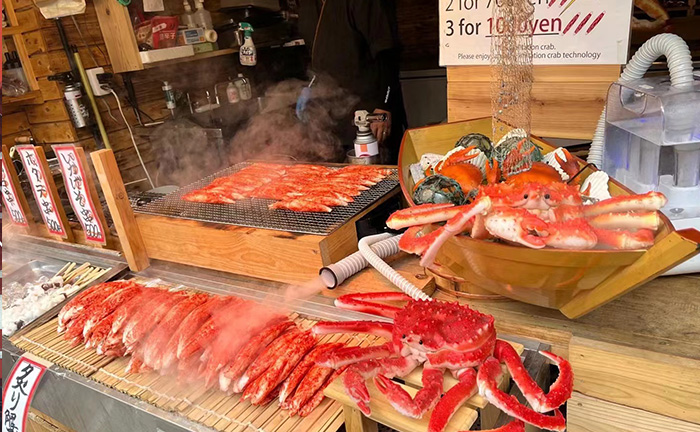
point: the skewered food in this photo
(242, 346)
(302, 188)
(443, 336)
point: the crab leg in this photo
(464, 359)
(455, 226)
(317, 398)
(516, 225)
(376, 328)
(425, 399)
(644, 220)
(628, 240)
(366, 302)
(302, 369)
(559, 392)
(422, 215)
(452, 400)
(356, 375)
(487, 380)
(514, 426)
(354, 354)
(416, 242)
(645, 202)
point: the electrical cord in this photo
(131, 134)
(109, 110)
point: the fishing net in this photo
(511, 68)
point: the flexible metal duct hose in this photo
(679, 64)
(386, 270)
(335, 274)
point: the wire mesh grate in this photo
(254, 212)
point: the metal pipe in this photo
(131, 96)
(91, 97)
(66, 47)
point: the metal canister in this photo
(74, 103)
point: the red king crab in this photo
(535, 215)
(442, 337)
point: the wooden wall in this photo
(566, 100)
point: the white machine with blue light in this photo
(648, 137)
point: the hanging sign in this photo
(81, 198)
(40, 186)
(11, 199)
(20, 387)
(564, 32)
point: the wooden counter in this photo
(636, 359)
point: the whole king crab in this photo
(441, 336)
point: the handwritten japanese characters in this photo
(11, 199)
(17, 395)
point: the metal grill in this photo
(254, 212)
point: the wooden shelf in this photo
(211, 54)
(12, 30)
(29, 98)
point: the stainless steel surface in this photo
(255, 213)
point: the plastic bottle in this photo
(202, 17)
(247, 54)
(232, 93)
(244, 88)
(187, 19)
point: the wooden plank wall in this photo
(566, 100)
(49, 123)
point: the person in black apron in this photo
(355, 42)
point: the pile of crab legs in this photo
(442, 337)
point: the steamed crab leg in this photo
(297, 375)
(452, 400)
(424, 214)
(424, 400)
(375, 328)
(349, 355)
(359, 302)
(645, 202)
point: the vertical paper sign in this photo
(573, 32)
(40, 187)
(11, 199)
(20, 387)
(74, 176)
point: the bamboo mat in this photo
(209, 407)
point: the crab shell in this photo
(442, 333)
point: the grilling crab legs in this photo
(442, 337)
(534, 215)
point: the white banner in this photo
(20, 387)
(573, 32)
(9, 197)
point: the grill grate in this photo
(254, 212)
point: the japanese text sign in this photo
(580, 32)
(20, 387)
(10, 197)
(77, 186)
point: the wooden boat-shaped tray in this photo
(575, 282)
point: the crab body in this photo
(441, 336)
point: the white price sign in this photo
(19, 390)
(563, 31)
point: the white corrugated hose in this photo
(334, 274)
(680, 66)
(385, 269)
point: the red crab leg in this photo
(254, 347)
(88, 297)
(107, 306)
(137, 330)
(514, 426)
(645, 202)
(415, 242)
(487, 380)
(307, 388)
(366, 302)
(422, 215)
(349, 355)
(425, 399)
(302, 369)
(627, 240)
(452, 400)
(559, 392)
(317, 398)
(376, 328)
(463, 359)
(643, 220)
(356, 375)
(455, 226)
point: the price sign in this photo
(20, 387)
(563, 31)
(11, 199)
(45, 196)
(78, 188)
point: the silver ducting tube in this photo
(680, 66)
(335, 274)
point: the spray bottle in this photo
(202, 17)
(248, 55)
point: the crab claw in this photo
(568, 165)
(422, 215)
(625, 203)
(516, 225)
(626, 240)
(425, 399)
(356, 388)
(559, 392)
(452, 400)
(415, 242)
(367, 302)
(576, 234)
(492, 171)
(455, 226)
(487, 380)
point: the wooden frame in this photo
(15, 31)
